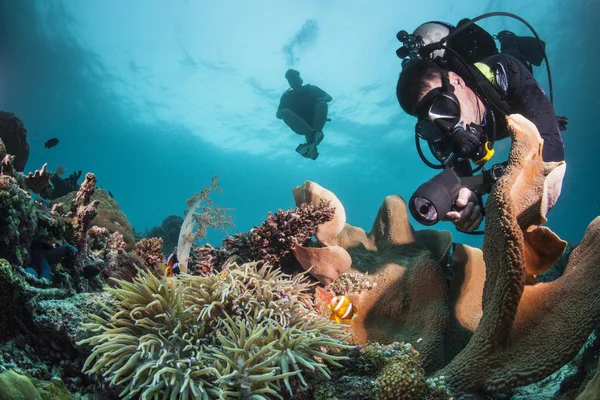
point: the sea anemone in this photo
(238, 333)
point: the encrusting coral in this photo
(241, 332)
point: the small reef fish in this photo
(342, 309)
(172, 266)
(51, 143)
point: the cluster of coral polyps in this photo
(526, 330)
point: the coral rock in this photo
(14, 136)
(109, 215)
(18, 221)
(14, 386)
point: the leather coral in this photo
(527, 331)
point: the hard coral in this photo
(402, 378)
(238, 333)
(62, 186)
(108, 216)
(18, 222)
(14, 136)
(150, 250)
(168, 231)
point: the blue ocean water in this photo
(157, 97)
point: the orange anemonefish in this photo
(342, 309)
(172, 266)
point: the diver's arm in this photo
(321, 95)
(525, 96)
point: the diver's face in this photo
(471, 109)
(295, 82)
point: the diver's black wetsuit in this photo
(524, 96)
(302, 101)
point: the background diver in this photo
(304, 109)
(460, 91)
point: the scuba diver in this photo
(304, 109)
(461, 88)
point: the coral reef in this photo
(38, 181)
(18, 222)
(310, 192)
(380, 372)
(40, 260)
(40, 325)
(14, 386)
(168, 231)
(61, 187)
(14, 136)
(408, 299)
(108, 216)
(327, 262)
(272, 242)
(242, 332)
(431, 292)
(150, 250)
(202, 214)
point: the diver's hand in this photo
(469, 217)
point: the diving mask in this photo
(439, 124)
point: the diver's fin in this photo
(308, 151)
(303, 149)
(313, 153)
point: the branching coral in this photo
(274, 240)
(238, 333)
(201, 216)
(150, 250)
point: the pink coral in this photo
(274, 240)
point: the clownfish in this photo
(172, 266)
(342, 309)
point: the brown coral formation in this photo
(527, 332)
(109, 214)
(14, 136)
(407, 300)
(524, 330)
(150, 250)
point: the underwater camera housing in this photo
(435, 198)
